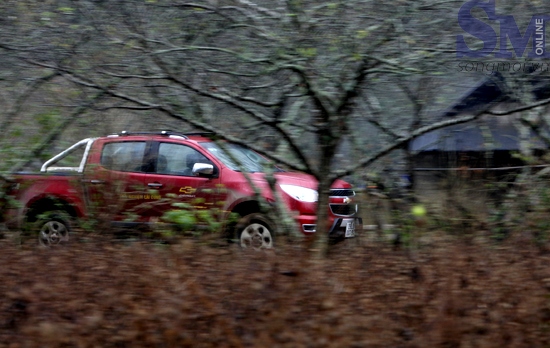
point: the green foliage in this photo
(537, 219)
(6, 201)
(361, 34)
(184, 217)
(195, 218)
(66, 10)
(308, 52)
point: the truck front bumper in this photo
(340, 228)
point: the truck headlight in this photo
(300, 193)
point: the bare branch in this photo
(375, 110)
(399, 143)
(260, 9)
(214, 49)
(520, 109)
(21, 98)
(54, 135)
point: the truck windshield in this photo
(237, 157)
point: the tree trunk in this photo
(320, 245)
(328, 145)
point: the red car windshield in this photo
(237, 157)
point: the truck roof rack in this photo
(168, 133)
(164, 132)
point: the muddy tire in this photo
(255, 231)
(53, 228)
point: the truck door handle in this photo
(96, 181)
(154, 184)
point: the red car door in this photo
(115, 179)
(173, 180)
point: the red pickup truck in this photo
(134, 178)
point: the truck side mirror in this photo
(203, 169)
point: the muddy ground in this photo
(446, 291)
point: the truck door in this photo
(173, 180)
(115, 180)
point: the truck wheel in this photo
(53, 228)
(255, 231)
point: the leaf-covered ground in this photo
(445, 292)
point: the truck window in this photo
(124, 156)
(236, 157)
(177, 159)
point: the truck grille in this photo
(342, 193)
(343, 209)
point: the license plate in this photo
(350, 229)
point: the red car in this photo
(134, 178)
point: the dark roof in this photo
(487, 133)
(478, 97)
